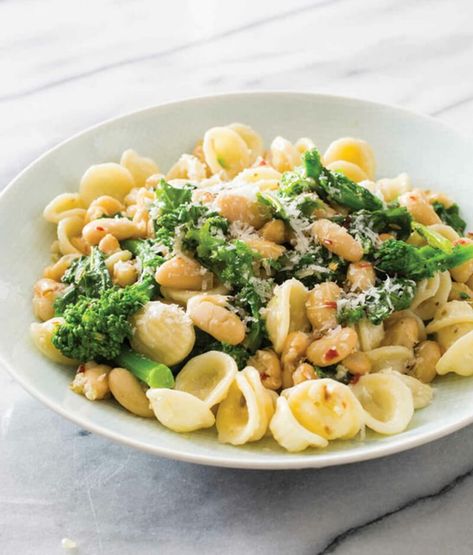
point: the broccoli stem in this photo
(152, 373)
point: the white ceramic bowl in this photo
(434, 155)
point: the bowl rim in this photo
(284, 461)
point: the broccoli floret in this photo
(377, 303)
(86, 276)
(145, 251)
(398, 257)
(95, 328)
(336, 187)
(450, 216)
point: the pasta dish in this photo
(274, 291)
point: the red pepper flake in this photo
(262, 162)
(355, 379)
(364, 264)
(264, 376)
(100, 228)
(331, 353)
(461, 241)
(327, 241)
(81, 368)
(329, 304)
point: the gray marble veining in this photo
(67, 65)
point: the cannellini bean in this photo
(303, 373)
(181, 272)
(336, 239)
(333, 347)
(360, 275)
(321, 305)
(106, 179)
(419, 208)
(463, 272)
(236, 207)
(109, 244)
(274, 231)
(442, 198)
(91, 380)
(140, 167)
(120, 228)
(103, 206)
(45, 292)
(350, 170)
(427, 353)
(293, 352)
(266, 361)
(207, 313)
(267, 249)
(124, 273)
(128, 391)
(57, 270)
(404, 332)
(357, 363)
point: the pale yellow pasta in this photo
(427, 309)
(66, 205)
(286, 312)
(422, 393)
(284, 155)
(180, 411)
(370, 335)
(253, 140)
(426, 289)
(396, 316)
(163, 332)
(391, 189)
(451, 321)
(68, 229)
(325, 407)
(264, 178)
(106, 179)
(115, 258)
(182, 296)
(188, 167)
(352, 150)
(304, 144)
(225, 152)
(244, 415)
(458, 358)
(350, 170)
(290, 433)
(140, 167)
(208, 377)
(387, 402)
(395, 357)
(446, 231)
(42, 334)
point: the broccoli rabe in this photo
(87, 275)
(377, 303)
(154, 374)
(145, 252)
(450, 216)
(403, 259)
(336, 187)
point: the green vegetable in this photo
(88, 276)
(296, 182)
(274, 203)
(152, 373)
(450, 216)
(336, 187)
(95, 328)
(397, 257)
(378, 303)
(145, 251)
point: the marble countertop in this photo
(68, 65)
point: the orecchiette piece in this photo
(106, 179)
(289, 433)
(391, 189)
(163, 332)
(352, 150)
(463, 272)
(422, 393)
(286, 312)
(325, 407)
(370, 335)
(225, 152)
(350, 170)
(208, 377)
(387, 402)
(42, 335)
(451, 321)
(68, 229)
(182, 296)
(427, 309)
(253, 140)
(64, 206)
(244, 414)
(458, 358)
(396, 357)
(284, 155)
(264, 178)
(140, 167)
(180, 411)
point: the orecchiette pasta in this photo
(269, 292)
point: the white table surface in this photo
(67, 65)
